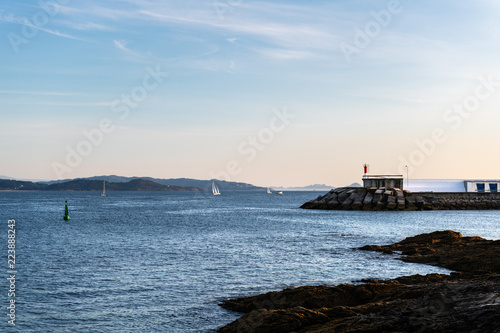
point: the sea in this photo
(163, 261)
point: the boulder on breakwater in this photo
(373, 198)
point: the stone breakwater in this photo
(358, 198)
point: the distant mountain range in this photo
(118, 183)
(10, 185)
(91, 185)
(315, 187)
(24, 180)
(184, 182)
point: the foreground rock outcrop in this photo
(468, 301)
(448, 249)
(359, 198)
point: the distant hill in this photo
(315, 187)
(207, 184)
(183, 182)
(172, 184)
(92, 185)
(133, 185)
(12, 185)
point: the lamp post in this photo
(407, 176)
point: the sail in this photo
(215, 189)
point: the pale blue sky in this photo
(231, 65)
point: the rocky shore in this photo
(359, 198)
(465, 301)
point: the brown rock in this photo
(275, 321)
(450, 250)
(464, 302)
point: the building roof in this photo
(383, 177)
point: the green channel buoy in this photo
(66, 212)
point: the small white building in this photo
(430, 185)
(452, 185)
(483, 185)
(387, 181)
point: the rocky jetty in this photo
(447, 249)
(466, 301)
(356, 198)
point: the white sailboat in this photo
(103, 194)
(215, 189)
(269, 191)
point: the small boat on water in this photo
(103, 194)
(269, 191)
(280, 193)
(215, 189)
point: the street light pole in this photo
(407, 176)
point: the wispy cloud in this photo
(133, 55)
(85, 26)
(51, 103)
(290, 35)
(211, 65)
(17, 20)
(283, 54)
(91, 10)
(121, 44)
(47, 93)
(287, 26)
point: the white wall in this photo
(435, 185)
(447, 185)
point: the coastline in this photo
(463, 301)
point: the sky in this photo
(276, 93)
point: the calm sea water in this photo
(160, 261)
